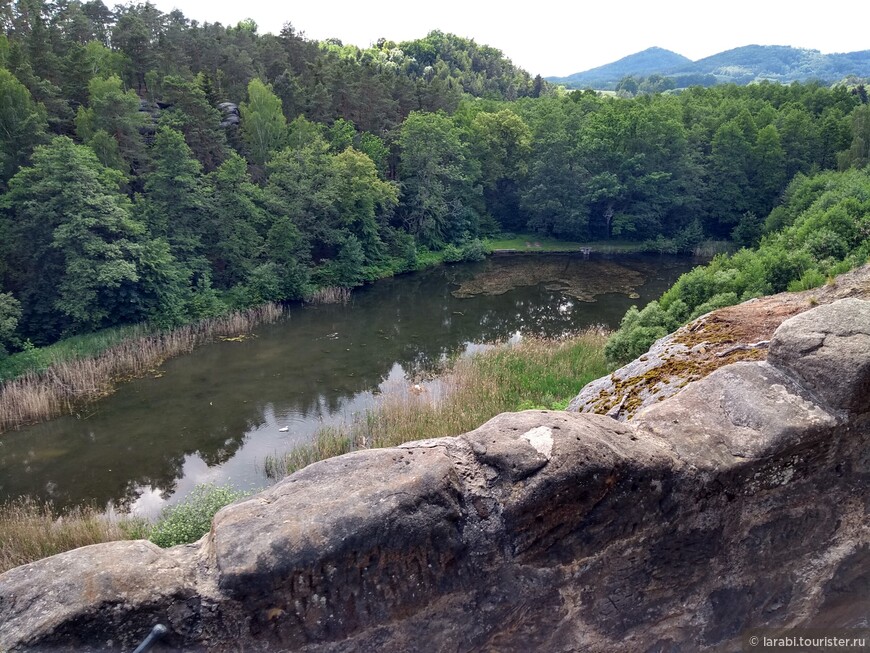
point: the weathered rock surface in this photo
(738, 503)
(832, 337)
(722, 337)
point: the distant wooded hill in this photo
(740, 66)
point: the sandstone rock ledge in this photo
(740, 502)
(719, 338)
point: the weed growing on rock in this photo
(189, 520)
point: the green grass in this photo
(536, 243)
(532, 374)
(189, 520)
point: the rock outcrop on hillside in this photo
(741, 502)
(719, 338)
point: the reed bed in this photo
(329, 295)
(709, 248)
(535, 373)
(66, 385)
(30, 530)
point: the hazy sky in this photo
(559, 38)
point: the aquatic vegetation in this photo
(535, 372)
(574, 276)
(31, 530)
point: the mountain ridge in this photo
(741, 65)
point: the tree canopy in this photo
(157, 168)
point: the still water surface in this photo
(214, 415)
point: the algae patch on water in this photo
(583, 279)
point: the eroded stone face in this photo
(738, 503)
(828, 350)
(742, 412)
(104, 595)
(344, 544)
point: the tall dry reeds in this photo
(66, 385)
(533, 373)
(329, 295)
(709, 248)
(30, 530)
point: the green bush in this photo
(451, 253)
(825, 231)
(811, 279)
(474, 250)
(639, 329)
(716, 301)
(189, 520)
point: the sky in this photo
(559, 38)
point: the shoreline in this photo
(66, 385)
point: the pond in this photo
(214, 415)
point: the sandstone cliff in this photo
(741, 501)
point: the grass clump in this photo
(330, 295)
(189, 520)
(31, 530)
(535, 373)
(328, 442)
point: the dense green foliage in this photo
(189, 520)
(821, 229)
(159, 170)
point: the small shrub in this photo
(474, 250)
(812, 278)
(661, 245)
(189, 520)
(640, 329)
(451, 254)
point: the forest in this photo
(155, 169)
